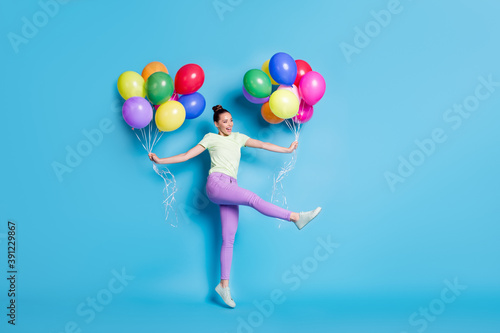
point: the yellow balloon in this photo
(284, 104)
(131, 84)
(265, 69)
(170, 116)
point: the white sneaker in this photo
(306, 217)
(225, 294)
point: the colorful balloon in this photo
(302, 68)
(194, 104)
(292, 88)
(305, 113)
(189, 79)
(153, 67)
(159, 87)
(170, 116)
(257, 83)
(131, 84)
(265, 69)
(312, 87)
(137, 112)
(283, 68)
(268, 115)
(284, 104)
(175, 96)
(252, 99)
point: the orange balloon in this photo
(153, 67)
(268, 115)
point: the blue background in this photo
(396, 247)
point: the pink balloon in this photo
(305, 113)
(312, 87)
(293, 88)
(175, 96)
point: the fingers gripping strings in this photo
(149, 137)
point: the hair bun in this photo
(217, 108)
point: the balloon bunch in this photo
(173, 100)
(299, 88)
(162, 93)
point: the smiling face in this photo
(225, 124)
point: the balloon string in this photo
(148, 141)
(278, 195)
(140, 140)
(157, 138)
(285, 169)
(294, 127)
(146, 137)
(150, 126)
(168, 192)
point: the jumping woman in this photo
(223, 190)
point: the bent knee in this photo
(228, 242)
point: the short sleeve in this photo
(205, 142)
(242, 139)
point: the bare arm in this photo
(193, 152)
(271, 147)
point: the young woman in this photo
(223, 190)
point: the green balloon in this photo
(257, 83)
(159, 87)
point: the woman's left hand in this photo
(293, 146)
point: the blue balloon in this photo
(283, 68)
(194, 104)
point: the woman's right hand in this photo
(154, 158)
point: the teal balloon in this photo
(159, 87)
(257, 83)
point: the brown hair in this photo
(218, 110)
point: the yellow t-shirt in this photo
(224, 152)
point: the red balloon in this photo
(189, 79)
(302, 68)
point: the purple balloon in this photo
(254, 100)
(305, 113)
(194, 104)
(137, 112)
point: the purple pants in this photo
(224, 191)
